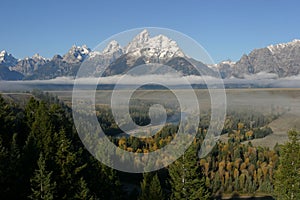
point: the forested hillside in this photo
(42, 157)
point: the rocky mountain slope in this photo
(7, 59)
(282, 60)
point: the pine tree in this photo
(42, 128)
(145, 186)
(287, 177)
(65, 160)
(4, 164)
(83, 192)
(186, 179)
(29, 158)
(155, 188)
(30, 111)
(151, 188)
(102, 180)
(41, 184)
(13, 171)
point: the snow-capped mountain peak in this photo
(77, 53)
(80, 49)
(278, 47)
(38, 57)
(142, 37)
(85, 49)
(7, 59)
(138, 41)
(2, 53)
(159, 47)
(296, 41)
(228, 62)
(112, 47)
(164, 44)
(161, 41)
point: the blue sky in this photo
(225, 28)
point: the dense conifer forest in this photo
(42, 157)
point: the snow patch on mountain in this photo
(159, 46)
(138, 42)
(38, 57)
(112, 47)
(77, 54)
(278, 47)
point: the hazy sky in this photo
(225, 28)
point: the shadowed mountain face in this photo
(6, 74)
(276, 61)
(7, 59)
(181, 64)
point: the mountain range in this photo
(275, 61)
(280, 60)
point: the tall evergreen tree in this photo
(151, 188)
(30, 111)
(287, 177)
(29, 158)
(42, 185)
(66, 162)
(42, 128)
(4, 164)
(14, 170)
(83, 192)
(102, 180)
(185, 177)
